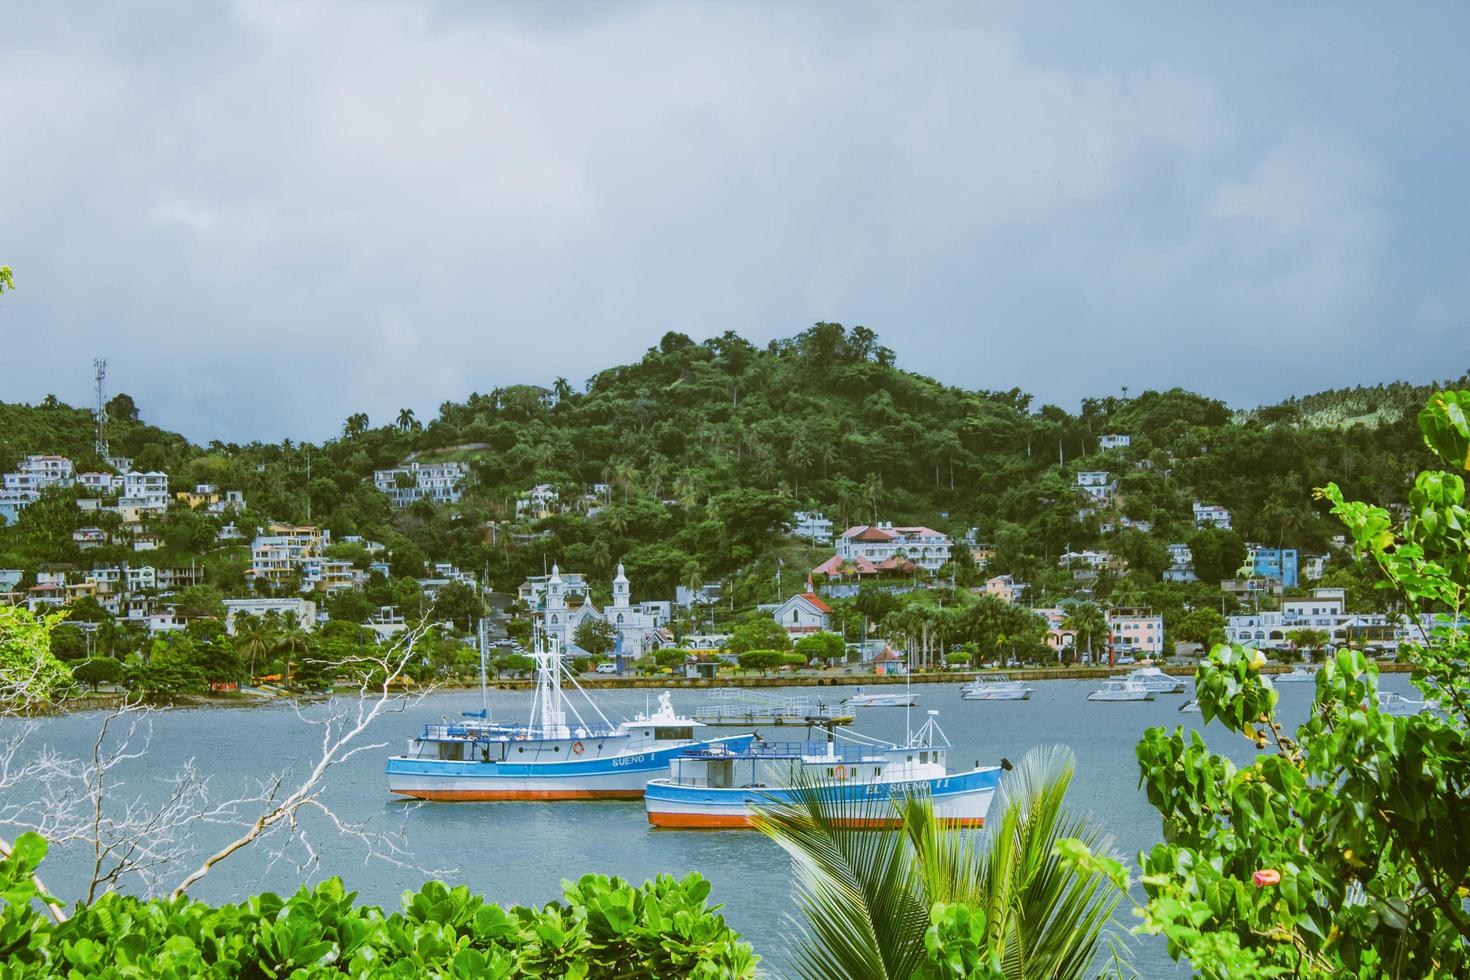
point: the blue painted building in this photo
(1278, 564)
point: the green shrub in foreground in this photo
(604, 927)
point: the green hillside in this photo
(708, 446)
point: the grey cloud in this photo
(269, 216)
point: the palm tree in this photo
(1088, 621)
(406, 420)
(872, 489)
(355, 425)
(290, 643)
(254, 637)
(866, 895)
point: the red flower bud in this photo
(1266, 877)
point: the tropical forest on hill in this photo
(705, 449)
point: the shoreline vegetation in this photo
(106, 700)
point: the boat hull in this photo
(960, 800)
(1129, 696)
(1022, 695)
(613, 778)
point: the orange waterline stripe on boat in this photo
(718, 821)
(505, 795)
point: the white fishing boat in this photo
(1390, 703)
(709, 789)
(995, 687)
(1117, 689)
(1190, 707)
(1300, 674)
(869, 699)
(1156, 680)
(554, 756)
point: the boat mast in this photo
(908, 701)
(484, 689)
(548, 690)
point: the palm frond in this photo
(863, 910)
(1046, 917)
(865, 894)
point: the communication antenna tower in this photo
(100, 367)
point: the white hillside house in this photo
(438, 483)
(879, 543)
(1211, 515)
(1097, 484)
(803, 613)
(812, 525)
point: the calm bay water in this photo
(521, 852)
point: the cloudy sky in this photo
(269, 216)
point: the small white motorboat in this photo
(863, 699)
(995, 687)
(1156, 680)
(1121, 690)
(1190, 707)
(1300, 674)
(1399, 706)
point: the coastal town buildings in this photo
(1096, 484)
(1211, 515)
(538, 503)
(638, 628)
(294, 611)
(209, 497)
(1114, 441)
(803, 613)
(1277, 564)
(1136, 631)
(887, 548)
(37, 473)
(1004, 588)
(1181, 564)
(812, 526)
(438, 483)
(288, 553)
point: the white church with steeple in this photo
(639, 628)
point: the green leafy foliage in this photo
(602, 928)
(1341, 851)
(30, 675)
(596, 636)
(821, 648)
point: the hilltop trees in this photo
(706, 447)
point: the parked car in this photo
(607, 668)
(1124, 661)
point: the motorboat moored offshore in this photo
(1121, 690)
(720, 787)
(1300, 674)
(995, 687)
(1156, 680)
(865, 699)
(1391, 703)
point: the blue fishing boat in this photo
(723, 786)
(554, 756)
